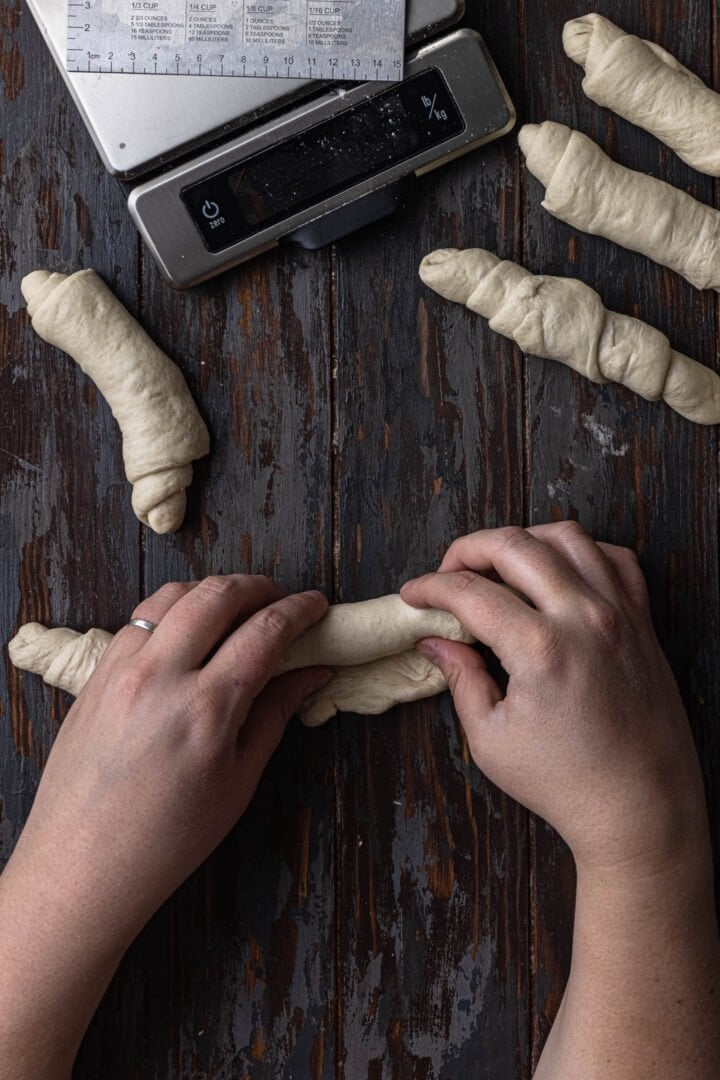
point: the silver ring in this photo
(144, 624)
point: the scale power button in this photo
(210, 209)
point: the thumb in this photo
(474, 690)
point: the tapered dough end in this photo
(34, 287)
(577, 35)
(456, 274)
(23, 644)
(169, 515)
(543, 146)
(693, 390)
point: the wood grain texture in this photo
(382, 911)
(631, 471)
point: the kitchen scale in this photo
(219, 169)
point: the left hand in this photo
(156, 761)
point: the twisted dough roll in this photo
(64, 658)
(590, 191)
(162, 429)
(645, 84)
(370, 644)
(563, 319)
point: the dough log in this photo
(584, 187)
(369, 643)
(163, 432)
(645, 84)
(563, 319)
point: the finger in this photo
(248, 659)
(200, 621)
(492, 613)
(522, 561)
(571, 542)
(154, 608)
(627, 567)
(475, 692)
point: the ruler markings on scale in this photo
(346, 40)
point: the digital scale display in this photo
(335, 154)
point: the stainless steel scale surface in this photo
(220, 169)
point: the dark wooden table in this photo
(381, 911)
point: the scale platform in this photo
(140, 122)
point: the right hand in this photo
(591, 732)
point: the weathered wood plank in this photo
(632, 472)
(241, 971)
(417, 897)
(432, 895)
(68, 536)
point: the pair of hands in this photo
(590, 732)
(163, 750)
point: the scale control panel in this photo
(305, 169)
(326, 166)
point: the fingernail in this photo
(410, 582)
(316, 594)
(427, 648)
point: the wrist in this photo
(647, 830)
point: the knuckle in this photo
(273, 622)
(604, 619)
(512, 537)
(630, 557)
(570, 529)
(465, 581)
(220, 586)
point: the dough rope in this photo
(163, 432)
(369, 643)
(563, 319)
(649, 87)
(585, 188)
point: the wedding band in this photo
(144, 624)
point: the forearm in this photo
(55, 965)
(643, 998)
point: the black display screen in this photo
(302, 171)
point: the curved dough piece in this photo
(645, 84)
(370, 644)
(162, 429)
(590, 191)
(563, 319)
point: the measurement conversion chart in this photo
(292, 39)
